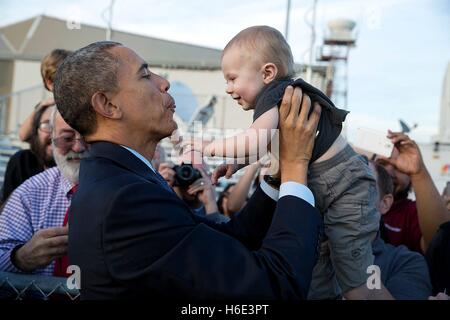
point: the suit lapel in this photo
(122, 157)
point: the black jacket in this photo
(132, 238)
(21, 166)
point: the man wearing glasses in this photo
(33, 231)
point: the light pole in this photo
(312, 26)
(288, 14)
(109, 19)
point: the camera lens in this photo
(186, 174)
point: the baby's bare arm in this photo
(245, 145)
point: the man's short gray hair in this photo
(84, 72)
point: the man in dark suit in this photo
(133, 237)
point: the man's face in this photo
(45, 136)
(243, 76)
(143, 98)
(402, 182)
(68, 149)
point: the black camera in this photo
(186, 174)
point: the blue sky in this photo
(395, 71)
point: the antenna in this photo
(108, 19)
(312, 26)
(405, 127)
(288, 13)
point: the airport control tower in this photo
(338, 41)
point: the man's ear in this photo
(270, 72)
(103, 106)
(386, 203)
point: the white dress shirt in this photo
(289, 188)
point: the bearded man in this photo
(33, 230)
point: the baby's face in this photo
(244, 77)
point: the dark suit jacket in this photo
(21, 166)
(132, 238)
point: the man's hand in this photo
(205, 192)
(297, 134)
(166, 171)
(406, 157)
(439, 296)
(42, 249)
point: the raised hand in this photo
(406, 156)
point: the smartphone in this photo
(374, 141)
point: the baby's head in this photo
(253, 58)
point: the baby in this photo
(258, 66)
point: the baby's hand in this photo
(224, 169)
(191, 144)
(205, 147)
(208, 150)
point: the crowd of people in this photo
(310, 230)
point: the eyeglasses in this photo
(45, 126)
(67, 142)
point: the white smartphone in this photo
(374, 141)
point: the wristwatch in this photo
(276, 182)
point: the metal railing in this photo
(15, 286)
(18, 99)
(7, 149)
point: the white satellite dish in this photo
(185, 100)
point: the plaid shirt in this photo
(40, 202)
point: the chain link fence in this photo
(15, 286)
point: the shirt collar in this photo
(66, 184)
(140, 157)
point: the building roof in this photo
(4, 47)
(33, 38)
